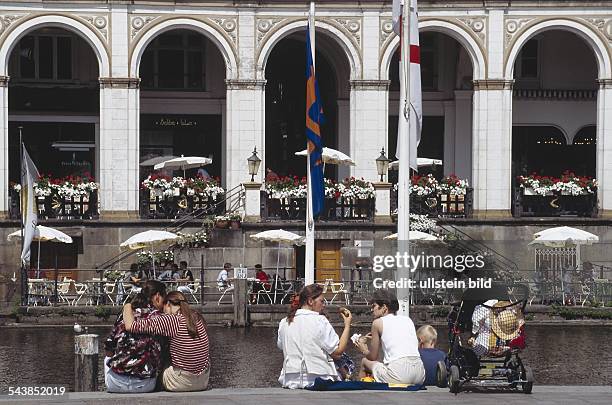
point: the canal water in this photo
(559, 355)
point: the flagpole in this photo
(403, 211)
(24, 283)
(309, 272)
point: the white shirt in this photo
(222, 278)
(307, 343)
(398, 338)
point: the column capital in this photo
(245, 84)
(605, 83)
(119, 82)
(493, 84)
(370, 84)
(4, 80)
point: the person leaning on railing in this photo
(189, 346)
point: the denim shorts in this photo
(127, 384)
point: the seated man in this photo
(222, 278)
(186, 276)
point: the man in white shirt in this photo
(222, 278)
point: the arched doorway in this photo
(54, 98)
(446, 83)
(182, 98)
(286, 102)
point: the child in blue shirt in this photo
(430, 356)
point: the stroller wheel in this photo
(441, 375)
(528, 376)
(453, 380)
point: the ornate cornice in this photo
(4, 80)
(119, 82)
(370, 84)
(228, 25)
(477, 25)
(138, 22)
(7, 19)
(245, 84)
(493, 84)
(602, 24)
(98, 22)
(386, 32)
(352, 26)
(512, 26)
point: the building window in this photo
(527, 64)
(429, 61)
(45, 57)
(174, 61)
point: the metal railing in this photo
(54, 206)
(334, 209)
(439, 205)
(554, 205)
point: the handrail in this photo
(236, 193)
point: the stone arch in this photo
(60, 21)
(209, 31)
(591, 37)
(477, 56)
(352, 53)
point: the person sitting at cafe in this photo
(185, 276)
(168, 272)
(263, 282)
(222, 277)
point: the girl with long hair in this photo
(308, 341)
(186, 330)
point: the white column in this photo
(368, 125)
(383, 202)
(252, 201)
(119, 127)
(344, 135)
(492, 148)
(4, 147)
(604, 147)
(463, 134)
(245, 128)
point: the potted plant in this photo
(222, 221)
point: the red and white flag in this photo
(415, 105)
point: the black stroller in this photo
(489, 357)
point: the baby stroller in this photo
(489, 358)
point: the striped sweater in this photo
(187, 354)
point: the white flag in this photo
(29, 214)
(415, 106)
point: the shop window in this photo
(174, 61)
(45, 57)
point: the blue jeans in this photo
(127, 384)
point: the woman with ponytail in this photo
(186, 329)
(308, 341)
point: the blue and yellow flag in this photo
(314, 117)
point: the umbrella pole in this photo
(276, 275)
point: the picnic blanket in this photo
(330, 385)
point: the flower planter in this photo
(234, 225)
(222, 224)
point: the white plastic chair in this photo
(265, 289)
(225, 290)
(338, 289)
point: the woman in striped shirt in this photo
(186, 329)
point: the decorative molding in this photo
(603, 83)
(374, 85)
(263, 27)
(352, 26)
(493, 84)
(228, 24)
(138, 22)
(119, 82)
(603, 25)
(477, 25)
(245, 84)
(98, 22)
(512, 26)
(4, 81)
(386, 31)
(7, 19)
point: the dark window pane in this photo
(26, 58)
(45, 57)
(172, 40)
(171, 69)
(529, 68)
(64, 58)
(194, 72)
(146, 69)
(194, 40)
(531, 49)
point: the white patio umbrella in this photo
(156, 160)
(149, 239)
(414, 236)
(184, 163)
(421, 162)
(280, 236)
(331, 156)
(42, 234)
(565, 236)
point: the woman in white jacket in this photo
(308, 341)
